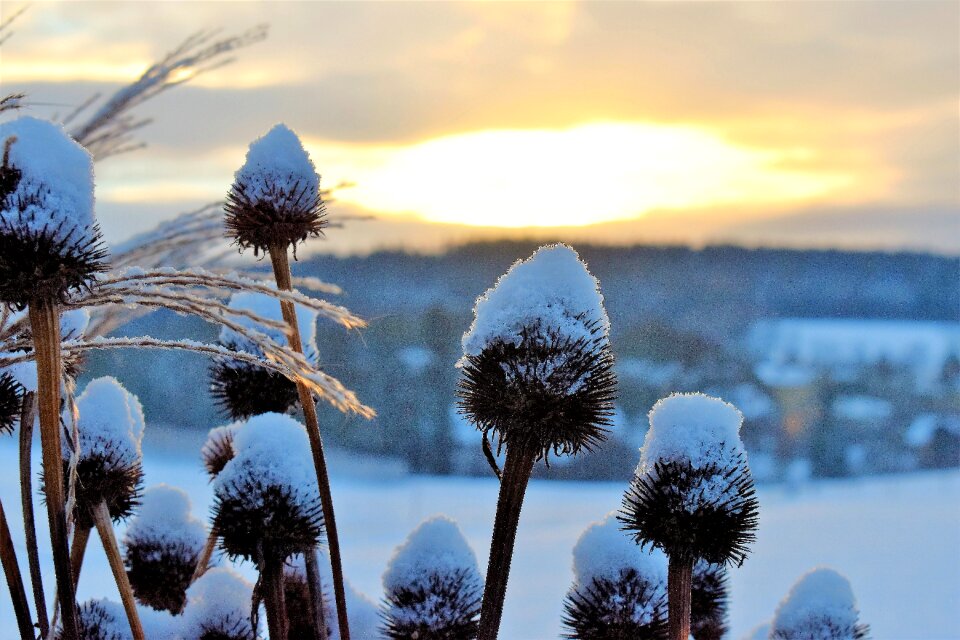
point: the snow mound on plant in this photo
(603, 551)
(165, 516)
(820, 606)
(110, 422)
(272, 449)
(268, 307)
(219, 600)
(693, 428)
(552, 287)
(436, 546)
(54, 168)
(277, 164)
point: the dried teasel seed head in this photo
(217, 451)
(619, 590)
(266, 501)
(109, 468)
(275, 198)
(537, 369)
(11, 399)
(820, 605)
(433, 585)
(708, 601)
(692, 494)
(162, 546)
(50, 244)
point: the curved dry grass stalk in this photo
(277, 358)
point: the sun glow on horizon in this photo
(584, 175)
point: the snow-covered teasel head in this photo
(537, 365)
(275, 198)
(49, 241)
(820, 606)
(217, 450)
(109, 468)
(432, 584)
(101, 620)
(162, 546)
(266, 501)
(244, 390)
(692, 494)
(218, 606)
(708, 601)
(619, 589)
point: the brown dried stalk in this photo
(27, 416)
(101, 517)
(679, 586)
(203, 562)
(11, 569)
(45, 324)
(281, 271)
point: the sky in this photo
(825, 124)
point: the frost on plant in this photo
(619, 590)
(275, 199)
(820, 606)
(49, 242)
(432, 585)
(537, 365)
(692, 494)
(162, 546)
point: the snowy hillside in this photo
(895, 538)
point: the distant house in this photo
(840, 346)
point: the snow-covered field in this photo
(896, 538)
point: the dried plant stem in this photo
(11, 569)
(281, 271)
(204, 560)
(27, 416)
(271, 581)
(81, 536)
(679, 589)
(45, 324)
(513, 485)
(101, 517)
(315, 588)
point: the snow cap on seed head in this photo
(218, 605)
(275, 197)
(693, 428)
(820, 606)
(603, 551)
(553, 288)
(162, 546)
(49, 241)
(266, 496)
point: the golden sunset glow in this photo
(572, 177)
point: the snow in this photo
(692, 428)
(603, 551)
(862, 526)
(276, 166)
(860, 408)
(362, 613)
(159, 625)
(110, 423)
(164, 516)
(818, 605)
(268, 307)
(271, 450)
(437, 547)
(553, 286)
(55, 167)
(779, 374)
(219, 599)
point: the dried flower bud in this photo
(11, 399)
(217, 451)
(162, 546)
(433, 585)
(275, 199)
(692, 495)
(50, 244)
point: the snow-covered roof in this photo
(860, 408)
